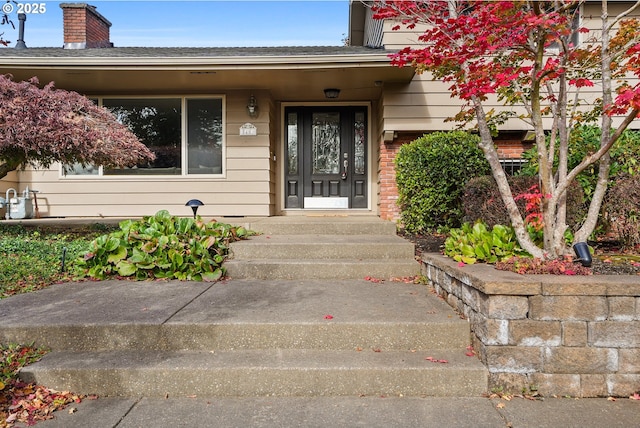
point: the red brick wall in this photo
(97, 32)
(511, 149)
(388, 191)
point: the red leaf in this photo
(328, 317)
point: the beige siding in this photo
(425, 104)
(246, 187)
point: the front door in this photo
(326, 157)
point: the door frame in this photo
(281, 173)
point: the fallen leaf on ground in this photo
(30, 403)
(500, 406)
(328, 317)
(635, 396)
(435, 360)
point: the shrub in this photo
(161, 246)
(431, 173)
(621, 208)
(470, 244)
(482, 200)
(585, 140)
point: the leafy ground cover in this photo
(31, 257)
(161, 246)
(610, 258)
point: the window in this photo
(185, 134)
(204, 136)
(512, 166)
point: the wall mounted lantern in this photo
(252, 107)
(194, 204)
(331, 93)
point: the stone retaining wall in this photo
(559, 335)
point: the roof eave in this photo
(370, 60)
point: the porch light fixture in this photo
(331, 93)
(194, 204)
(252, 107)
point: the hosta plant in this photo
(470, 244)
(161, 246)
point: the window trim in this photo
(184, 170)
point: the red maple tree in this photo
(537, 60)
(41, 126)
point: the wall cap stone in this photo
(487, 279)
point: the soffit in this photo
(290, 74)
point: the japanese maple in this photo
(40, 126)
(524, 55)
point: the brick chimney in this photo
(84, 27)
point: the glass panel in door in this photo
(325, 144)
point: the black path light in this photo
(583, 253)
(194, 204)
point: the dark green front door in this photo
(326, 157)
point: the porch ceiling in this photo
(301, 76)
(358, 84)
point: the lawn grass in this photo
(31, 257)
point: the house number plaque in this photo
(248, 129)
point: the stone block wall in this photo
(559, 335)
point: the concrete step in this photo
(321, 269)
(251, 373)
(233, 315)
(245, 338)
(323, 247)
(435, 335)
(316, 225)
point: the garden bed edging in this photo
(557, 335)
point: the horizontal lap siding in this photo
(425, 104)
(246, 189)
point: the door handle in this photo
(345, 165)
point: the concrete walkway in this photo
(324, 412)
(61, 309)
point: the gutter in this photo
(275, 62)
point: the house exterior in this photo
(248, 131)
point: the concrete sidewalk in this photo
(324, 412)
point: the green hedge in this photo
(431, 173)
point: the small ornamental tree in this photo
(40, 126)
(522, 54)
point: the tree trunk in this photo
(488, 147)
(6, 168)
